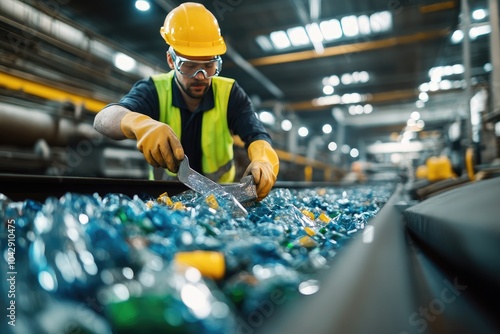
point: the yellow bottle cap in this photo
(210, 264)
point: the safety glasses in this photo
(190, 68)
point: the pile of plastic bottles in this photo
(172, 264)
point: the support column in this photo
(494, 57)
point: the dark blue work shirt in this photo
(241, 117)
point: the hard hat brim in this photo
(201, 51)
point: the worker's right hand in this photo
(156, 140)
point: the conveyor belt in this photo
(395, 284)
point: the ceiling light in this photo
(458, 69)
(266, 117)
(328, 90)
(445, 85)
(457, 36)
(327, 128)
(298, 36)
(124, 62)
(327, 100)
(420, 104)
(331, 29)
(415, 115)
(142, 5)
(346, 79)
(264, 43)
(478, 31)
(423, 96)
(479, 14)
(286, 125)
(364, 76)
(332, 146)
(280, 39)
(303, 131)
(364, 25)
(314, 32)
(488, 67)
(333, 80)
(368, 108)
(381, 22)
(424, 87)
(354, 153)
(433, 86)
(350, 25)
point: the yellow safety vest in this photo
(216, 140)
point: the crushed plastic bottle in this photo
(185, 263)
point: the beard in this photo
(194, 90)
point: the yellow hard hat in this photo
(192, 30)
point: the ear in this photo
(170, 61)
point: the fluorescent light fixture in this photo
(280, 39)
(142, 5)
(380, 22)
(350, 25)
(331, 29)
(124, 62)
(479, 14)
(474, 32)
(264, 43)
(314, 32)
(364, 25)
(479, 31)
(458, 69)
(298, 36)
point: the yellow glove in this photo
(156, 140)
(264, 167)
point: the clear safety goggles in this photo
(190, 68)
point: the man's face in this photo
(196, 86)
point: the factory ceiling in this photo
(375, 54)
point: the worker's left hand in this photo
(264, 167)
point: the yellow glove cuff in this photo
(261, 150)
(130, 121)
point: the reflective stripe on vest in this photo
(216, 139)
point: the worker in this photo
(191, 110)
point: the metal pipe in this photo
(467, 69)
(494, 56)
(23, 127)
